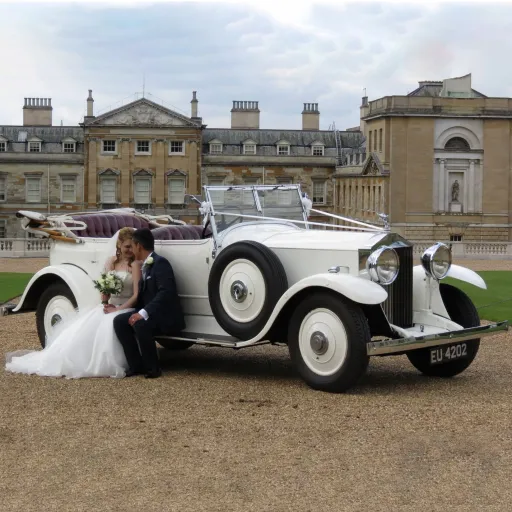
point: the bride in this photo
(87, 345)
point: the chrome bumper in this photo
(7, 309)
(379, 348)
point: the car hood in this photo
(285, 236)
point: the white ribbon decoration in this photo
(205, 209)
(308, 204)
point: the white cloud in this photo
(280, 52)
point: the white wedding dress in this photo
(85, 346)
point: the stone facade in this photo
(142, 156)
(41, 167)
(446, 149)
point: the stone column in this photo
(471, 187)
(442, 180)
(92, 171)
(125, 173)
(159, 194)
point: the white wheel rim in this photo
(242, 290)
(58, 309)
(323, 342)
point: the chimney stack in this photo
(311, 117)
(245, 114)
(194, 103)
(37, 112)
(90, 107)
(364, 110)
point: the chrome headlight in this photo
(437, 260)
(382, 265)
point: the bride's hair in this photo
(123, 235)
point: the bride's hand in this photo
(109, 308)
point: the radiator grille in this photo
(398, 305)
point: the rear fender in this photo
(357, 289)
(78, 281)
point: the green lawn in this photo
(12, 284)
(499, 288)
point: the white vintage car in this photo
(258, 271)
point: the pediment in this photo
(143, 172)
(143, 112)
(34, 139)
(69, 139)
(373, 166)
(249, 141)
(317, 143)
(3, 139)
(282, 142)
(215, 141)
(109, 172)
(175, 172)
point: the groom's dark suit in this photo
(159, 298)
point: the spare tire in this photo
(246, 281)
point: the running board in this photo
(211, 340)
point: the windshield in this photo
(230, 204)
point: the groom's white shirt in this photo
(143, 313)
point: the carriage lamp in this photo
(437, 260)
(382, 265)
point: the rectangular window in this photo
(216, 195)
(68, 147)
(176, 147)
(143, 147)
(3, 228)
(380, 140)
(33, 187)
(319, 192)
(34, 147)
(249, 149)
(109, 146)
(176, 190)
(284, 197)
(108, 191)
(3, 146)
(3, 188)
(283, 149)
(216, 149)
(142, 190)
(370, 141)
(318, 151)
(68, 189)
(455, 238)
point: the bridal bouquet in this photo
(109, 283)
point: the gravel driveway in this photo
(228, 430)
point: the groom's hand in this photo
(135, 318)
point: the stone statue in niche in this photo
(455, 191)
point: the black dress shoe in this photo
(132, 373)
(153, 375)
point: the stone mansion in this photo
(438, 161)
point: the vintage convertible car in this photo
(258, 271)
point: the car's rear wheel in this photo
(327, 339)
(57, 304)
(246, 282)
(462, 311)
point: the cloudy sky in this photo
(281, 53)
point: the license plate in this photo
(440, 355)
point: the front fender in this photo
(357, 289)
(426, 292)
(78, 281)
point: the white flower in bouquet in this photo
(109, 283)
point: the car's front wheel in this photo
(56, 304)
(450, 360)
(327, 339)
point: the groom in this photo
(159, 309)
